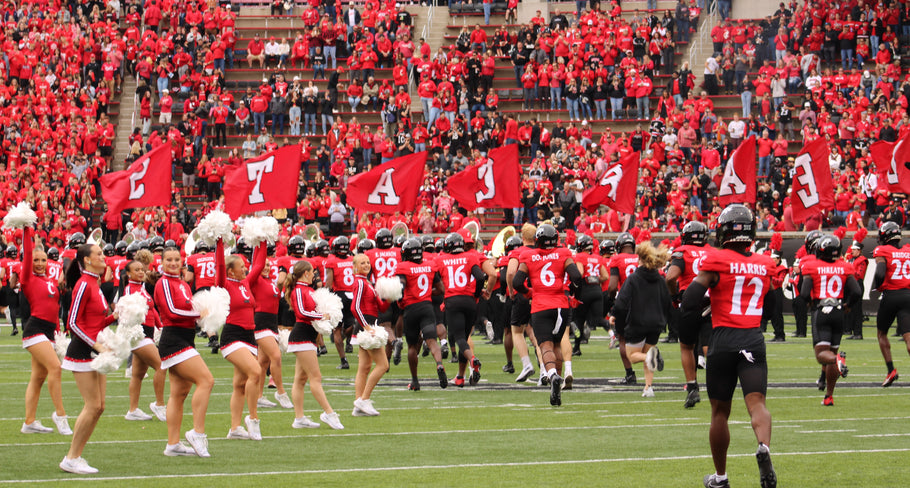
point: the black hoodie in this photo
(643, 302)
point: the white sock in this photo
(526, 361)
(720, 477)
(766, 447)
(551, 372)
(567, 367)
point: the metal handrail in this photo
(710, 18)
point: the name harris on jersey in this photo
(748, 268)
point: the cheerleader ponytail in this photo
(74, 270)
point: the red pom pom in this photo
(860, 235)
(777, 240)
(840, 232)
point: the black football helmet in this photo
(341, 247)
(133, 248)
(624, 239)
(546, 237)
(888, 232)
(694, 233)
(241, 247)
(412, 250)
(812, 239)
(384, 239)
(454, 243)
(297, 246)
(365, 245)
(736, 224)
(12, 252)
(428, 244)
(144, 244)
(53, 254)
(607, 247)
(828, 248)
(75, 240)
(157, 244)
(322, 248)
(120, 248)
(108, 249)
(170, 243)
(399, 241)
(584, 243)
(513, 243)
(440, 244)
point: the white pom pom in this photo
(329, 305)
(157, 335)
(132, 310)
(20, 216)
(258, 229)
(61, 343)
(379, 337)
(214, 225)
(324, 327)
(215, 305)
(132, 334)
(118, 349)
(284, 335)
(389, 289)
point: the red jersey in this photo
(515, 254)
(589, 265)
(54, 270)
(242, 301)
(88, 310)
(546, 269)
(264, 290)
(366, 302)
(383, 262)
(829, 280)
(623, 265)
(455, 270)
(174, 297)
(116, 263)
(152, 319)
(418, 281)
(897, 271)
(8, 265)
(274, 269)
(342, 273)
(736, 300)
(203, 267)
(689, 259)
(318, 263)
(40, 290)
(304, 305)
(286, 263)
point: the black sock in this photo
(890, 365)
(629, 371)
(692, 385)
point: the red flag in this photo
(813, 187)
(146, 183)
(265, 182)
(890, 161)
(494, 183)
(390, 187)
(616, 188)
(738, 184)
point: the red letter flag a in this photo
(813, 188)
(616, 188)
(493, 182)
(390, 187)
(266, 182)
(738, 184)
(890, 161)
(146, 183)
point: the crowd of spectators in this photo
(807, 71)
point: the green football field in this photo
(496, 434)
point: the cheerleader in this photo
(238, 341)
(179, 356)
(265, 316)
(366, 306)
(145, 354)
(38, 337)
(88, 315)
(302, 342)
